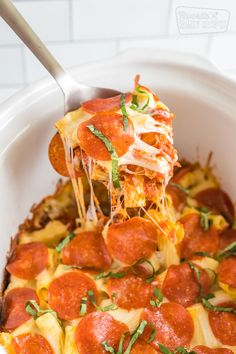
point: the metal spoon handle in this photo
(15, 20)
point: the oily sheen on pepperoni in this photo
(99, 105)
(202, 349)
(178, 197)
(111, 126)
(30, 343)
(217, 200)
(66, 292)
(14, 313)
(96, 328)
(227, 237)
(132, 292)
(131, 240)
(227, 271)
(181, 285)
(87, 249)
(28, 260)
(196, 239)
(173, 324)
(141, 347)
(223, 324)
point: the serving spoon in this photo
(74, 92)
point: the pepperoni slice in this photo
(181, 285)
(14, 313)
(181, 173)
(223, 324)
(110, 104)
(31, 343)
(66, 292)
(96, 328)
(28, 260)
(178, 197)
(196, 239)
(227, 237)
(111, 126)
(218, 201)
(128, 290)
(141, 347)
(162, 116)
(227, 271)
(87, 249)
(173, 324)
(56, 154)
(131, 240)
(202, 349)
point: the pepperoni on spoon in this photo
(132, 292)
(181, 284)
(111, 126)
(223, 324)
(227, 271)
(87, 249)
(110, 104)
(202, 349)
(196, 239)
(14, 313)
(97, 328)
(28, 260)
(173, 324)
(31, 343)
(65, 294)
(131, 240)
(218, 201)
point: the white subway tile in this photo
(7, 92)
(117, 19)
(223, 52)
(49, 19)
(7, 36)
(215, 19)
(11, 67)
(71, 54)
(185, 44)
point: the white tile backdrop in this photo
(79, 31)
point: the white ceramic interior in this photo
(203, 99)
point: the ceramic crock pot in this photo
(203, 99)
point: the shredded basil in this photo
(228, 251)
(112, 151)
(153, 333)
(67, 267)
(34, 310)
(138, 89)
(124, 112)
(159, 298)
(65, 242)
(120, 348)
(181, 350)
(202, 254)
(146, 104)
(197, 272)
(103, 309)
(204, 218)
(164, 349)
(182, 189)
(110, 275)
(108, 347)
(144, 260)
(136, 335)
(134, 103)
(211, 307)
(83, 306)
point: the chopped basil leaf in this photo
(146, 104)
(110, 275)
(120, 348)
(183, 350)
(124, 112)
(83, 306)
(202, 254)
(138, 89)
(182, 189)
(197, 272)
(138, 332)
(134, 103)
(164, 349)
(204, 220)
(153, 333)
(211, 307)
(112, 151)
(65, 242)
(67, 267)
(228, 251)
(108, 347)
(103, 309)
(203, 209)
(159, 296)
(144, 260)
(34, 310)
(209, 296)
